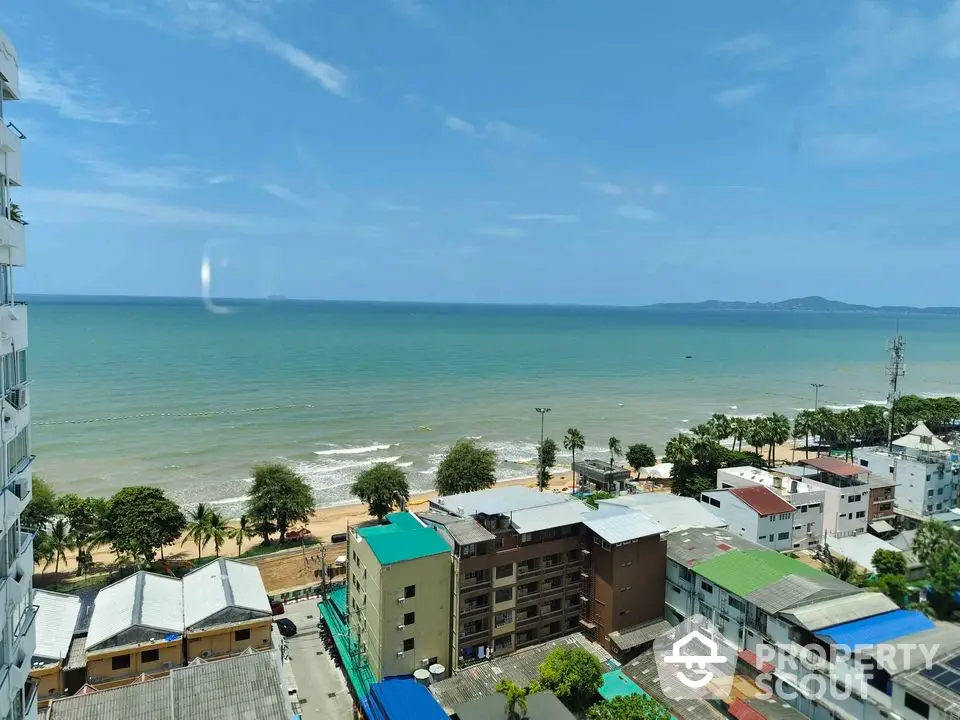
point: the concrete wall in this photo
(100, 664)
(49, 681)
(808, 520)
(840, 515)
(922, 488)
(364, 601)
(224, 640)
(747, 523)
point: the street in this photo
(316, 675)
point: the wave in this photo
(229, 501)
(354, 450)
(405, 464)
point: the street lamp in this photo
(816, 394)
(543, 411)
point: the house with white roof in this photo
(57, 617)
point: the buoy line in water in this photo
(202, 413)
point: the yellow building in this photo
(398, 595)
(57, 616)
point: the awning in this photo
(882, 526)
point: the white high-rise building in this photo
(18, 695)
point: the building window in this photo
(939, 506)
(914, 703)
(504, 571)
(503, 595)
(241, 635)
(149, 656)
(783, 536)
(706, 587)
(865, 463)
(498, 542)
(468, 550)
(861, 514)
(408, 618)
(408, 645)
(762, 538)
(410, 591)
(737, 604)
(685, 574)
(939, 491)
(120, 662)
(803, 508)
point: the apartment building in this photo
(531, 566)
(921, 468)
(755, 513)
(846, 493)
(807, 531)
(398, 595)
(18, 695)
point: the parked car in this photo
(276, 607)
(286, 627)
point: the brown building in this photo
(530, 567)
(882, 498)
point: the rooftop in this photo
(618, 524)
(671, 511)
(824, 614)
(246, 686)
(643, 671)
(922, 438)
(497, 501)
(763, 500)
(861, 548)
(835, 466)
(540, 706)
(463, 531)
(635, 636)
(522, 667)
(601, 470)
(220, 585)
(798, 471)
(692, 546)
(405, 699)
(877, 629)
(745, 571)
(570, 512)
(57, 616)
(404, 537)
(142, 600)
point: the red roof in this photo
(741, 711)
(750, 657)
(762, 499)
(835, 466)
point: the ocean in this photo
(164, 392)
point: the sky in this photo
(615, 152)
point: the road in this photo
(317, 677)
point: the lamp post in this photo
(816, 395)
(543, 411)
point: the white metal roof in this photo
(141, 600)
(860, 548)
(550, 516)
(827, 613)
(672, 512)
(922, 438)
(617, 525)
(56, 619)
(498, 501)
(220, 585)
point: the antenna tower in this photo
(895, 371)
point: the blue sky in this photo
(618, 152)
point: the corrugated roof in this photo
(835, 466)
(464, 531)
(555, 515)
(922, 438)
(497, 501)
(402, 538)
(944, 638)
(819, 615)
(693, 546)
(744, 571)
(763, 500)
(141, 600)
(617, 525)
(671, 511)
(637, 635)
(540, 706)
(405, 699)
(784, 593)
(57, 616)
(860, 548)
(245, 686)
(220, 585)
(877, 629)
(643, 671)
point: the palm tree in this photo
(60, 541)
(574, 442)
(739, 428)
(841, 568)
(244, 530)
(516, 698)
(15, 214)
(757, 433)
(778, 432)
(217, 530)
(802, 424)
(198, 527)
(824, 424)
(679, 449)
(722, 427)
(615, 449)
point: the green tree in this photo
(141, 520)
(574, 442)
(218, 530)
(679, 449)
(722, 427)
(279, 496)
(515, 696)
(467, 467)
(42, 507)
(615, 450)
(778, 432)
(872, 421)
(86, 518)
(842, 568)
(640, 455)
(739, 429)
(382, 487)
(243, 530)
(889, 562)
(60, 542)
(574, 675)
(15, 213)
(757, 433)
(935, 546)
(546, 459)
(628, 707)
(894, 587)
(802, 425)
(198, 527)
(824, 424)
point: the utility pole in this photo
(816, 395)
(895, 371)
(540, 466)
(543, 412)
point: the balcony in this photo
(32, 691)
(473, 609)
(12, 242)
(523, 570)
(527, 619)
(468, 634)
(551, 589)
(10, 137)
(474, 584)
(13, 327)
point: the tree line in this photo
(138, 522)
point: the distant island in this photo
(277, 297)
(813, 303)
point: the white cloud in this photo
(546, 217)
(508, 133)
(743, 45)
(414, 9)
(220, 179)
(156, 178)
(459, 125)
(230, 20)
(853, 148)
(397, 208)
(504, 232)
(285, 194)
(737, 95)
(604, 188)
(658, 189)
(637, 212)
(70, 97)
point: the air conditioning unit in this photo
(399, 653)
(401, 600)
(399, 627)
(425, 662)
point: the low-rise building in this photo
(57, 617)
(398, 595)
(807, 531)
(846, 494)
(601, 475)
(672, 512)
(755, 513)
(921, 468)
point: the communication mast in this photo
(895, 371)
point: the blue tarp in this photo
(403, 699)
(878, 629)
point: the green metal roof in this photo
(402, 538)
(743, 571)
